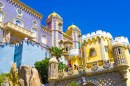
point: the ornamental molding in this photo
(70, 71)
(46, 29)
(26, 8)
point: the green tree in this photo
(58, 52)
(5, 75)
(42, 67)
(61, 66)
(73, 83)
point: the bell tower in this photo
(55, 23)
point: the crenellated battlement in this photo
(21, 53)
(123, 40)
(98, 33)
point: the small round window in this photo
(19, 12)
(34, 23)
(1, 5)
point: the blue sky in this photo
(89, 15)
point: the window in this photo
(70, 48)
(106, 48)
(19, 12)
(59, 26)
(92, 52)
(43, 39)
(45, 54)
(60, 44)
(66, 48)
(1, 17)
(34, 23)
(34, 32)
(18, 22)
(1, 5)
(119, 50)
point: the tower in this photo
(120, 59)
(52, 71)
(75, 33)
(55, 23)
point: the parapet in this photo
(98, 33)
(123, 40)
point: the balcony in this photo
(18, 31)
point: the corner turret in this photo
(120, 59)
(52, 71)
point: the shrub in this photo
(73, 83)
(42, 67)
(61, 66)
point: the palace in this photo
(18, 21)
(96, 59)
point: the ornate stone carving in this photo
(82, 68)
(92, 52)
(70, 71)
(106, 64)
(94, 66)
(61, 73)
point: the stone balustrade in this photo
(14, 27)
(88, 68)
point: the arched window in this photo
(34, 32)
(66, 48)
(1, 16)
(60, 44)
(18, 22)
(43, 39)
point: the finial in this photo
(72, 23)
(54, 11)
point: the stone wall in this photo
(32, 53)
(105, 79)
(23, 53)
(6, 57)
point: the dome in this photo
(54, 15)
(53, 60)
(73, 27)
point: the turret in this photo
(74, 32)
(55, 23)
(120, 59)
(52, 71)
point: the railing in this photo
(12, 26)
(89, 68)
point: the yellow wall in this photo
(95, 44)
(76, 61)
(127, 55)
(108, 55)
